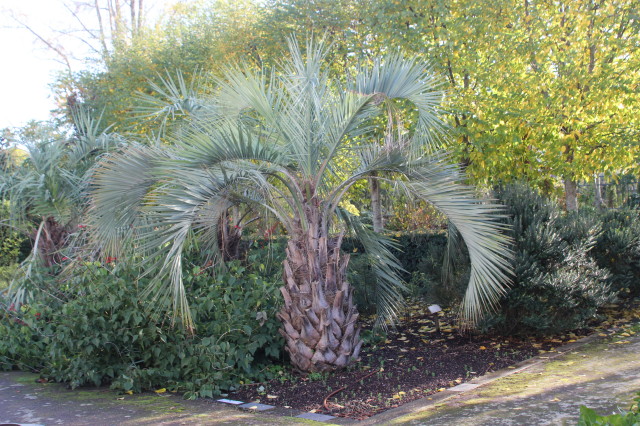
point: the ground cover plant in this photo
(631, 417)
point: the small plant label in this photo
(231, 401)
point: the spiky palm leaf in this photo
(49, 187)
(279, 144)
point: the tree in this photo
(194, 38)
(46, 191)
(273, 144)
(584, 68)
(538, 90)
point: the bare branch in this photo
(102, 34)
(77, 18)
(49, 44)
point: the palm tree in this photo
(291, 144)
(49, 186)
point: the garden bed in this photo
(412, 362)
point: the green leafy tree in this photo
(274, 144)
(540, 90)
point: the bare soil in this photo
(411, 362)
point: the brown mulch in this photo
(412, 362)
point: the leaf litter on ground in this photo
(415, 361)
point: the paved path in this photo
(22, 400)
(603, 374)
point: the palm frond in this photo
(120, 186)
(385, 266)
(173, 98)
(480, 225)
(395, 77)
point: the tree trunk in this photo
(571, 194)
(597, 185)
(318, 316)
(376, 205)
(229, 238)
(51, 240)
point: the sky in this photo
(28, 66)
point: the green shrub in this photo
(25, 333)
(421, 255)
(618, 250)
(14, 246)
(557, 286)
(589, 417)
(107, 334)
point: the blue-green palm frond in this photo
(120, 186)
(395, 77)
(386, 267)
(479, 223)
(174, 98)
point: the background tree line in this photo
(542, 91)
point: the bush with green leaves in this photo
(25, 333)
(14, 246)
(618, 249)
(557, 286)
(589, 417)
(108, 334)
(421, 255)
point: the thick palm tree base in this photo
(318, 317)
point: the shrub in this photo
(108, 334)
(557, 286)
(14, 246)
(24, 336)
(618, 250)
(421, 255)
(589, 417)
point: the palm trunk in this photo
(52, 239)
(229, 238)
(318, 317)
